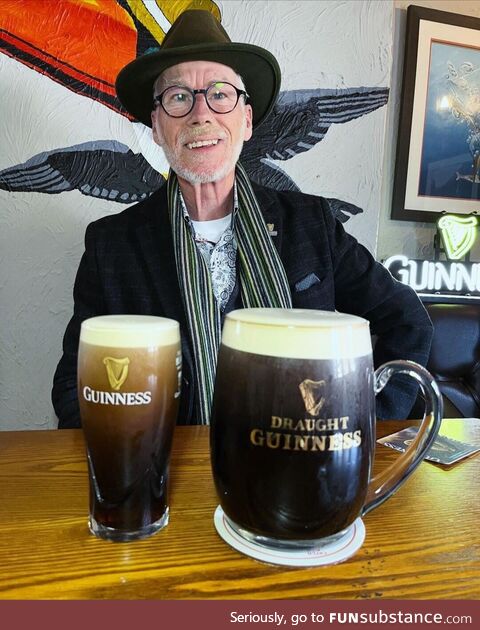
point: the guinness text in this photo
(116, 398)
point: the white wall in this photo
(319, 44)
(413, 239)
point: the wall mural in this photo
(109, 169)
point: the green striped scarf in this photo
(262, 278)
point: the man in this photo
(210, 240)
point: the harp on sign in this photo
(458, 235)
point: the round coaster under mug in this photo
(342, 548)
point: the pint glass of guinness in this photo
(293, 425)
(129, 374)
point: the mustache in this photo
(190, 135)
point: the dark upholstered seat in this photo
(455, 357)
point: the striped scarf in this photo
(263, 280)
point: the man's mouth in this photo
(202, 143)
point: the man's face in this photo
(218, 138)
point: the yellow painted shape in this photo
(171, 9)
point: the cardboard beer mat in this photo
(334, 553)
(444, 450)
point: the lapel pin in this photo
(271, 229)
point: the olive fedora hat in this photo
(196, 35)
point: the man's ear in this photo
(249, 125)
(154, 126)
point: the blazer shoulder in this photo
(289, 199)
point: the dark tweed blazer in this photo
(129, 267)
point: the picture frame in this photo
(437, 166)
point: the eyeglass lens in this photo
(221, 98)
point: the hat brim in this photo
(258, 68)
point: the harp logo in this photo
(313, 395)
(458, 235)
(117, 371)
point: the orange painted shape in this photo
(94, 37)
(171, 9)
(105, 87)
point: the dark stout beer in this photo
(292, 422)
(128, 388)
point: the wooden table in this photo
(423, 543)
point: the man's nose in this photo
(200, 113)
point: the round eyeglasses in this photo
(178, 101)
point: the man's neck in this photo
(206, 202)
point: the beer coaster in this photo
(333, 553)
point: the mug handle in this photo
(383, 485)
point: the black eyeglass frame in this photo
(158, 100)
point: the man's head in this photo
(201, 119)
(196, 35)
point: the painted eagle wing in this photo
(302, 118)
(103, 169)
(299, 121)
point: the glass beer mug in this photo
(129, 375)
(293, 425)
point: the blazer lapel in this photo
(153, 239)
(153, 235)
(155, 247)
(271, 215)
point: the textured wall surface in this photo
(413, 239)
(320, 45)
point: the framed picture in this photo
(437, 166)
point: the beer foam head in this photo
(130, 331)
(297, 333)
